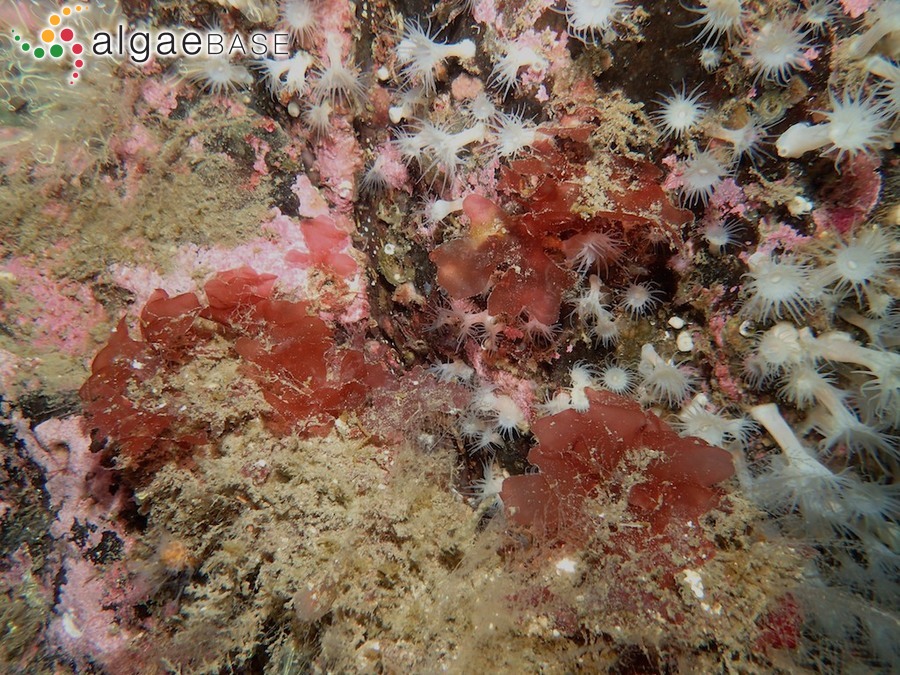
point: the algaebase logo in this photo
(57, 40)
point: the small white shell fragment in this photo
(69, 626)
(799, 205)
(293, 109)
(676, 322)
(383, 74)
(693, 579)
(684, 342)
(566, 565)
(746, 329)
(342, 428)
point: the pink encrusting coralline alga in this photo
(51, 314)
(611, 283)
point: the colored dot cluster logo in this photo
(57, 39)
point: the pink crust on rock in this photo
(466, 87)
(674, 180)
(520, 390)
(9, 364)
(728, 198)
(311, 202)
(339, 160)
(261, 149)
(540, 42)
(49, 314)
(717, 329)
(557, 51)
(392, 168)
(85, 625)
(782, 236)
(485, 11)
(136, 144)
(728, 384)
(849, 201)
(78, 485)
(855, 8)
(335, 24)
(270, 254)
(134, 149)
(160, 97)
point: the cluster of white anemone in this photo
(318, 83)
(469, 323)
(657, 381)
(831, 481)
(862, 266)
(774, 46)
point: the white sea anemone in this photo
(710, 58)
(700, 175)
(504, 414)
(582, 376)
(778, 288)
(680, 112)
(616, 378)
(640, 298)
(486, 490)
(511, 134)
(436, 148)
(778, 47)
(717, 18)
(514, 57)
(298, 17)
(589, 250)
(216, 74)
(340, 79)
(744, 140)
(454, 371)
(855, 124)
(664, 381)
(287, 75)
(860, 262)
(720, 234)
(698, 420)
(590, 19)
(420, 55)
(317, 115)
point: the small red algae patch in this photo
(522, 260)
(291, 355)
(781, 626)
(580, 454)
(326, 245)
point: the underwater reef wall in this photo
(488, 336)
